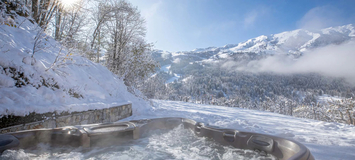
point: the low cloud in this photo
(335, 61)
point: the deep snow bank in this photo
(74, 85)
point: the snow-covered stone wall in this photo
(112, 114)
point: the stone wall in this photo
(112, 114)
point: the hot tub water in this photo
(178, 143)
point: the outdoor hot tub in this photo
(123, 133)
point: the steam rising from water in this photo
(335, 60)
(178, 143)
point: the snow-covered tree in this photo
(129, 55)
(343, 110)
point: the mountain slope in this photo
(292, 43)
(286, 73)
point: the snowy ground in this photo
(165, 68)
(328, 98)
(98, 87)
(325, 140)
(172, 79)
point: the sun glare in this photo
(68, 3)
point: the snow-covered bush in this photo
(10, 10)
(342, 110)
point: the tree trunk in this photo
(291, 109)
(58, 19)
(342, 116)
(98, 48)
(43, 12)
(350, 118)
(35, 10)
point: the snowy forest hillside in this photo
(300, 73)
(40, 74)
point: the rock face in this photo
(112, 114)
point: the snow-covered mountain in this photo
(293, 43)
(299, 40)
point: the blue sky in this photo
(183, 25)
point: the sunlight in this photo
(68, 3)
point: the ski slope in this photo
(325, 140)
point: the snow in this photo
(293, 44)
(172, 79)
(165, 54)
(204, 49)
(98, 87)
(6, 81)
(175, 54)
(325, 140)
(101, 89)
(223, 55)
(210, 60)
(177, 60)
(328, 98)
(165, 68)
(308, 44)
(187, 79)
(289, 41)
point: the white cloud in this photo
(335, 60)
(321, 17)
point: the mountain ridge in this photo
(293, 43)
(299, 40)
